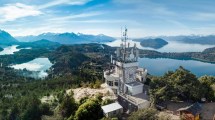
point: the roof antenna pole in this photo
(121, 34)
(125, 35)
(124, 46)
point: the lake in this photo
(172, 46)
(38, 67)
(160, 66)
(154, 66)
(8, 50)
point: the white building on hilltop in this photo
(112, 110)
(125, 77)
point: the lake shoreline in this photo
(172, 46)
(159, 66)
(207, 57)
(196, 59)
(9, 50)
(35, 68)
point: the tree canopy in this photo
(181, 85)
(144, 114)
(90, 110)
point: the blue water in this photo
(9, 50)
(160, 66)
(172, 46)
(39, 65)
(154, 66)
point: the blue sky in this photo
(142, 17)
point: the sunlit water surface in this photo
(38, 66)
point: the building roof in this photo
(194, 108)
(111, 107)
(134, 83)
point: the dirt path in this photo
(89, 92)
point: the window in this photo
(114, 112)
(110, 83)
(131, 76)
(116, 83)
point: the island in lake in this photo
(152, 43)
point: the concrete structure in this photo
(141, 74)
(134, 88)
(125, 77)
(112, 110)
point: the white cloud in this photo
(104, 21)
(202, 16)
(177, 23)
(82, 15)
(58, 2)
(128, 1)
(163, 11)
(11, 12)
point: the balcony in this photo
(131, 64)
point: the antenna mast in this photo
(125, 36)
(124, 44)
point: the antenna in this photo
(121, 34)
(111, 59)
(125, 37)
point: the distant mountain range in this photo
(201, 40)
(67, 38)
(6, 38)
(39, 44)
(62, 38)
(72, 38)
(152, 43)
(193, 39)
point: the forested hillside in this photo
(208, 55)
(6, 38)
(83, 65)
(74, 66)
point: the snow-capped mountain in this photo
(67, 38)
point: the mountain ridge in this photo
(6, 38)
(43, 43)
(193, 39)
(67, 38)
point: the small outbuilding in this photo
(191, 112)
(112, 110)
